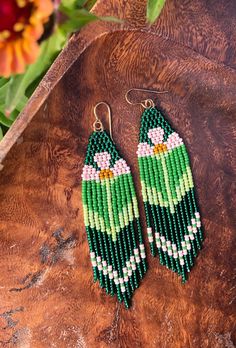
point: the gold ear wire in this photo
(146, 103)
(97, 125)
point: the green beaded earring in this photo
(111, 216)
(173, 220)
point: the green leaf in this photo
(88, 4)
(5, 121)
(18, 84)
(69, 4)
(154, 8)
(110, 19)
(3, 81)
(78, 4)
(78, 18)
(23, 101)
(1, 133)
(3, 92)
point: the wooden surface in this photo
(47, 297)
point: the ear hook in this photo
(97, 125)
(147, 103)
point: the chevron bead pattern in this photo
(173, 220)
(111, 219)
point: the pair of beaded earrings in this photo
(110, 206)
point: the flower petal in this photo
(30, 50)
(144, 149)
(120, 167)
(5, 60)
(102, 159)
(156, 135)
(173, 141)
(45, 7)
(18, 62)
(89, 173)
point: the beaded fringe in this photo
(173, 220)
(111, 218)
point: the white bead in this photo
(136, 252)
(189, 228)
(163, 239)
(170, 252)
(133, 267)
(188, 246)
(186, 238)
(128, 264)
(129, 273)
(121, 281)
(198, 224)
(122, 288)
(180, 253)
(92, 255)
(131, 259)
(104, 263)
(141, 246)
(94, 263)
(125, 270)
(109, 268)
(99, 259)
(105, 272)
(197, 215)
(164, 248)
(116, 281)
(150, 239)
(193, 221)
(175, 255)
(185, 252)
(191, 236)
(158, 244)
(111, 276)
(182, 262)
(126, 279)
(115, 273)
(157, 235)
(174, 247)
(137, 259)
(99, 267)
(149, 230)
(168, 243)
(194, 229)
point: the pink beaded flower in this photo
(157, 137)
(144, 149)
(102, 159)
(173, 141)
(89, 173)
(120, 167)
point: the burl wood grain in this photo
(47, 296)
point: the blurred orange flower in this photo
(21, 25)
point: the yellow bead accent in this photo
(105, 174)
(159, 148)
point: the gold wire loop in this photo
(146, 103)
(97, 125)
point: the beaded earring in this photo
(111, 216)
(172, 216)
